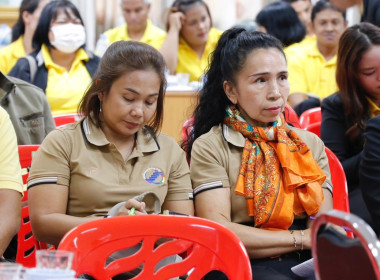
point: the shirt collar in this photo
(374, 109)
(145, 141)
(314, 51)
(81, 55)
(5, 87)
(232, 136)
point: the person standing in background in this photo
(371, 9)
(22, 34)
(138, 27)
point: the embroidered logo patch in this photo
(154, 176)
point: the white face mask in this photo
(68, 37)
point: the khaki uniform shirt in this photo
(80, 157)
(216, 160)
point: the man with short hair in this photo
(312, 69)
(137, 27)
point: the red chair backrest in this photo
(291, 116)
(63, 119)
(26, 243)
(338, 178)
(313, 115)
(209, 246)
(315, 128)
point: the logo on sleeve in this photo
(154, 176)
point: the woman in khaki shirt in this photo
(250, 170)
(114, 153)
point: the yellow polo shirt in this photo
(10, 170)
(10, 54)
(64, 88)
(188, 60)
(310, 73)
(80, 158)
(153, 36)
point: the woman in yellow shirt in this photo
(22, 34)
(190, 39)
(63, 67)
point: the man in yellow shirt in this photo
(137, 27)
(312, 71)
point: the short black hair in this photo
(322, 5)
(48, 14)
(282, 21)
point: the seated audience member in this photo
(123, 110)
(370, 9)
(138, 27)
(312, 70)
(369, 173)
(62, 67)
(190, 39)
(22, 34)
(345, 114)
(28, 110)
(11, 187)
(250, 170)
(281, 21)
(303, 10)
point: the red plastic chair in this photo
(210, 246)
(315, 128)
(338, 178)
(313, 115)
(291, 116)
(26, 243)
(63, 119)
(337, 256)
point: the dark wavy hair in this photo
(48, 15)
(120, 58)
(227, 60)
(282, 21)
(353, 43)
(26, 6)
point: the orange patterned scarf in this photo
(278, 174)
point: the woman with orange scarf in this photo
(250, 170)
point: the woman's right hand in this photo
(139, 208)
(175, 21)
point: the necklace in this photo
(130, 150)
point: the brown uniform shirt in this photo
(216, 159)
(81, 158)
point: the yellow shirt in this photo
(375, 110)
(64, 88)
(310, 73)
(153, 36)
(188, 60)
(10, 54)
(10, 170)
